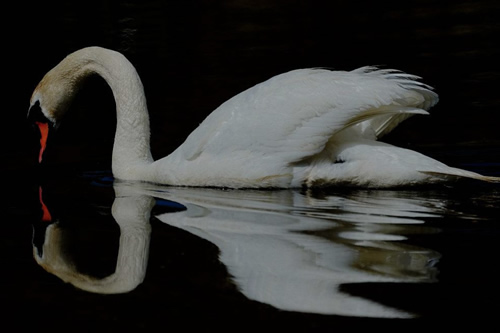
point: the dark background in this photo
(194, 55)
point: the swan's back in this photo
(258, 134)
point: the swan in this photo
(304, 128)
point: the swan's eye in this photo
(35, 114)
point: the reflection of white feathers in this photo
(283, 248)
(307, 127)
(274, 258)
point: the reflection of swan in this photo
(282, 248)
(308, 127)
(267, 242)
(132, 215)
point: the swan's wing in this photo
(418, 97)
(292, 116)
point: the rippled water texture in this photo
(328, 252)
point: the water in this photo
(216, 259)
(121, 254)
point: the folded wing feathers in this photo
(393, 110)
(418, 98)
(381, 112)
(298, 112)
(407, 81)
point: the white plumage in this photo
(307, 127)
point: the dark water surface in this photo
(136, 255)
(235, 259)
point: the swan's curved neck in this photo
(131, 150)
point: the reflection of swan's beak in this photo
(132, 215)
(46, 217)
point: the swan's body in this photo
(308, 127)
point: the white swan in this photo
(307, 127)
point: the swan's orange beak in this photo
(37, 117)
(44, 134)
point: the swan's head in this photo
(52, 96)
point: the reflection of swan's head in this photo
(131, 213)
(52, 257)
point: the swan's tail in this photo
(459, 173)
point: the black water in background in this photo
(192, 56)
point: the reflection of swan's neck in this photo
(132, 215)
(131, 151)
